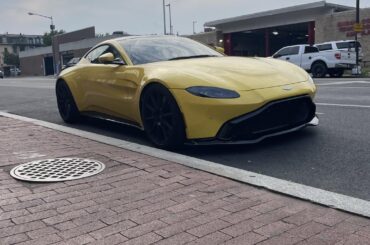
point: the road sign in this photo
(358, 27)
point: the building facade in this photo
(262, 34)
(50, 60)
(15, 43)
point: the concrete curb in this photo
(315, 195)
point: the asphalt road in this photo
(334, 156)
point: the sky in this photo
(132, 16)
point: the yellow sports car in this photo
(180, 91)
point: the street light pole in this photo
(169, 10)
(164, 18)
(194, 21)
(356, 37)
(52, 26)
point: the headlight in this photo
(213, 92)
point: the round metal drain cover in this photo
(59, 169)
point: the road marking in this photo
(320, 113)
(316, 195)
(344, 105)
(341, 83)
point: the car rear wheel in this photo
(66, 104)
(336, 73)
(319, 70)
(162, 118)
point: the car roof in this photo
(146, 37)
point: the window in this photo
(324, 47)
(288, 51)
(310, 49)
(93, 55)
(348, 45)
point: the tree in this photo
(47, 38)
(11, 59)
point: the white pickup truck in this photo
(332, 62)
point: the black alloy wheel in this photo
(162, 118)
(319, 70)
(66, 104)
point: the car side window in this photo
(282, 52)
(94, 54)
(309, 49)
(323, 47)
(116, 54)
(294, 50)
(289, 51)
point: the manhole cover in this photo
(59, 169)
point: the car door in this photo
(110, 87)
(307, 56)
(290, 54)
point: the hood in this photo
(236, 73)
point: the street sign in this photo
(358, 27)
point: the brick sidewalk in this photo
(140, 199)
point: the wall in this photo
(32, 65)
(337, 26)
(212, 37)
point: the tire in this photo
(66, 104)
(336, 73)
(161, 117)
(319, 69)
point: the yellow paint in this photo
(115, 89)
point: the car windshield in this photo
(148, 50)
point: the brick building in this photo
(262, 34)
(15, 43)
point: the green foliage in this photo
(48, 36)
(11, 59)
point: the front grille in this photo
(274, 117)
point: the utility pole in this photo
(194, 21)
(356, 37)
(164, 18)
(169, 10)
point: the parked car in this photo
(332, 62)
(180, 91)
(15, 71)
(1, 74)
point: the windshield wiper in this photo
(193, 56)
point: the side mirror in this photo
(106, 58)
(276, 56)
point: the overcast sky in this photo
(132, 16)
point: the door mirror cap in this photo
(106, 58)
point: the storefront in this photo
(262, 34)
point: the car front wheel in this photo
(161, 117)
(66, 104)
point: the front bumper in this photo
(205, 117)
(276, 118)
